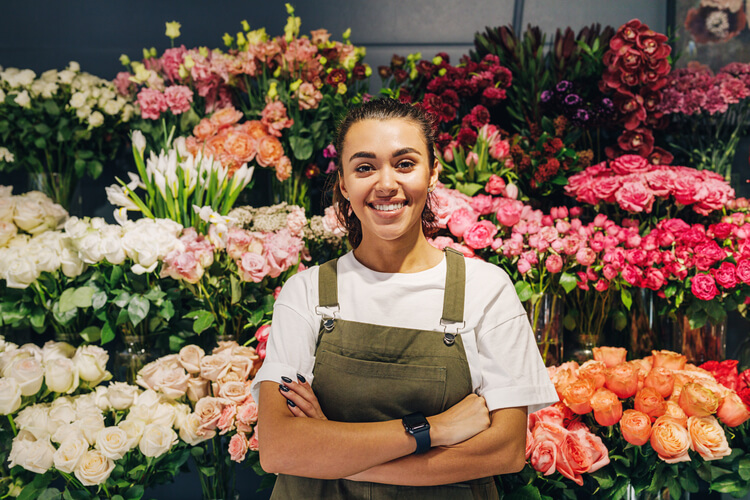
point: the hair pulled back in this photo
(381, 109)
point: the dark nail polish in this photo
(287, 380)
(283, 388)
(291, 403)
(301, 379)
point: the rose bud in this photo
(622, 380)
(635, 427)
(607, 407)
(593, 370)
(660, 379)
(649, 401)
(698, 401)
(578, 396)
(670, 440)
(669, 359)
(611, 356)
(732, 411)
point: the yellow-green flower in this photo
(347, 34)
(437, 60)
(228, 40)
(323, 61)
(272, 92)
(291, 30)
(368, 70)
(341, 88)
(141, 73)
(173, 29)
(124, 60)
(245, 25)
(188, 62)
(442, 71)
(289, 8)
(146, 53)
(241, 40)
(183, 72)
(295, 85)
(203, 51)
(257, 36)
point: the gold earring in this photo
(430, 189)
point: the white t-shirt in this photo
(504, 361)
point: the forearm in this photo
(497, 450)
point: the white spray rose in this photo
(69, 454)
(23, 99)
(94, 468)
(78, 100)
(61, 375)
(91, 361)
(157, 440)
(29, 374)
(10, 396)
(66, 76)
(113, 442)
(96, 119)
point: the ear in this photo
(434, 174)
(342, 188)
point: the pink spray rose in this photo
(508, 211)
(480, 234)
(461, 220)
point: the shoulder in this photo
(300, 288)
(491, 292)
(487, 277)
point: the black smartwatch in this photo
(417, 425)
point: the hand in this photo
(460, 422)
(301, 399)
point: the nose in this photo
(386, 181)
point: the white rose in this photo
(127, 112)
(111, 249)
(71, 265)
(91, 361)
(7, 208)
(9, 355)
(23, 99)
(5, 154)
(20, 447)
(61, 375)
(54, 350)
(121, 395)
(8, 231)
(44, 258)
(30, 214)
(90, 425)
(181, 411)
(64, 431)
(157, 440)
(61, 414)
(134, 429)
(190, 430)
(34, 419)
(69, 454)
(78, 99)
(20, 273)
(83, 112)
(10, 396)
(74, 66)
(29, 374)
(94, 468)
(101, 399)
(113, 442)
(85, 404)
(66, 76)
(35, 456)
(113, 107)
(163, 415)
(2, 95)
(96, 119)
(25, 77)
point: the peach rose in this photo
(252, 443)
(622, 380)
(660, 379)
(196, 389)
(732, 411)
(670, 440)
(607, 407)
(529, 443)
(238, 447)
(214, 366)
(562, 378)
(226, 117)
(550, 414)
(708, 438)
(205, 129)
(226, 419)
(209, 410)
(635, 427)
(698, 401)
(611, 356)
(190, 358)
(680, 379)
(594, 371)
(677, 413)
(580, 452)
(578, 396)
(551, 432)
(544, 457)
(283, 168)
(649, 401)
(270, 151)
(240, 146)
(669, 359)
(254, 129)
(235, 391)
(595, 445)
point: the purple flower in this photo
(582, 115)
(329, 151)
(546, 96)
(563, 86)
(572, 100)
(607, 103)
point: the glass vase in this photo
(545, 316)
(216, 471)
(55, 185)
(133, 356)
(699, 345)
(590, 308)
(643, 324)
(646, 495)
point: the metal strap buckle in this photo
(328, 317)
(450, 338)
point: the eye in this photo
(405, 164)
(362, 168)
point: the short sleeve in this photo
(291, 343)
(513, 373)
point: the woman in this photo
(398, 371)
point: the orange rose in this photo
(670, 440)
(283, 168)
(578, 394)
(611, 356)
(622, 380)
(254, 129)
(561, 378)
(607, 407)
(680, 379)
(193, 145)
(660, 379)
(635, 427)
(240, 146)
(708, 438)
(732, 411)
(226, 117)
(270, 151)
(597, 449)
(594, 371)
(698, 401)
(669, 359)
(677, 413)
(649, 401)
(215, 146)
(205, 129)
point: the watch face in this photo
(415, 422)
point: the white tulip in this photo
(139, 142)
(116, 196)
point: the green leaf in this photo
(138, 309)
(528, 492)
(66, 303)
(167, 310)
(670, 290)
(302, 147)
(568, 282)
(37, 317)
(115, 275)
(122, 318)
(107, 334)
(743, 468)
(619, 320)
(91, 334)
(51, 107)
(203, 320)
(99, 300)
(689, 481)
(236, 290)
(469, 188)
(728, 483)
(523, 290)
(82, 297)
(95, 169)
(50, 494)
(569, 322)
(122, 299)
(627, 299)
(42, 128)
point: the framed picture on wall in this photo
(711, 32)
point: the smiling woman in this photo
(404, 372)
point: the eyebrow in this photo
(400, 152)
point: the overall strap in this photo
(455, 287)
(328, 293)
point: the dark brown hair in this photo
(381, 109)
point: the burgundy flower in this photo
(335, 77)
(397, 61)
(639, 141)
(359, 72)
(466, 137)
(400, 75)
(425, 68)
(491, 96)
(660, 156)
(384, 72)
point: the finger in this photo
(299, 402)
(294, 409)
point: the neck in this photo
(407, 255)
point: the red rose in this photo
(703, 286)
(707, 254)
(743, 270)
(725, 276)
(722, 230)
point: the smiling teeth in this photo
(389, 208)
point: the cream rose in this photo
(157, 440)
(215, 366)
(29, 374)
(121, 395)
(60, 375)
(113, 442)
(69, 454)
(34, 419)
(134, 429)
(164, 414)
(8, 231)
(10, 396)
(191, 433)
(91, 361)
(53, 350)
(94, 468)
(90, 425)
(61, 413)
(38, 456)
(190, 358)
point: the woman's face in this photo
(386, 175)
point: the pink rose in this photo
(630, 164)
(209, 410)
(703, 286)
(238, 242)
(634, 196)
(544, 456)
(508, 211)
(585, 256)
(282, 251)
(495, 185)
(554, 263)
(252, 443)
(263, 332)
(661, 181)
(179, 98)
(152, 103)
(482, 204)
(238, 447)
(725, 276)
(253, 267)
(480, 234)
(461, 220)
(604, 188)
(743, 270)
(523, 266)
(225, 423)
(247, 413)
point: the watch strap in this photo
(423, 440)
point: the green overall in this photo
(371, 373)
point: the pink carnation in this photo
(179, 98)
(275, 119)
(152, 103)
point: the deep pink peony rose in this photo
(480, 234)
(604, 188)
(523, 266)
(630, 164)
(743, 270)
(635, 197)
(726, 275)
(554, 263)
(703, 286)
(461, 220)
(482, 204)
(509, 211)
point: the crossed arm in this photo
(468, 442)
